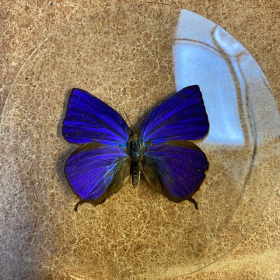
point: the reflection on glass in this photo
(208, 56)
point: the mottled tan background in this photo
(25, 24)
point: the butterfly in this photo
(160, 149)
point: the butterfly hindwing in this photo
(181, 117)
(175, 168)
(88, 119)
(96, 172)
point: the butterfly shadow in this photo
(60, 163)
(63, 114)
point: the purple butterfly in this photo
(160, 150)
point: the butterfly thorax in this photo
(135, 153)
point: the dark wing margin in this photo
(181, 117)
(95, 172)
(88, 119)
(176, 169)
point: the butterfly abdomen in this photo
(135, 172)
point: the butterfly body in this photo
(136, 151)
(161, 150)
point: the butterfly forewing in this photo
(181, 117)
(88, 119)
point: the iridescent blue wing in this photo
(95, 172)
(181, 117)
(175, 168)
(88, 119)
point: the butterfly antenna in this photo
(127, 118)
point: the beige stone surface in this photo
(52, 242)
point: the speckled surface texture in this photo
(135, 234)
